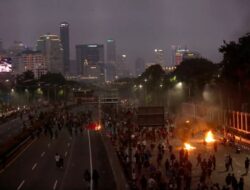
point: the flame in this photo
(98, 127)
(209, 138)
(188, 146)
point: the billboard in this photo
(150, 117)
(5, 65)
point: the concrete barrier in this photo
(120, 179)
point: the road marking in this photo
(21, 184)
(12, 161)
(42, 154)
(65, 154)
(90, 161)
(68, 164)
(68, 144)
(34, 166)
(55, 184)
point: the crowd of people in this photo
(151, 161)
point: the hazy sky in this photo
(139, 26)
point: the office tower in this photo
(51, 47)
(159, 57)
(34, 61)
(14, 52)
(1, 45)
(182, 54)
(64, 35)
(111, 51)
(111, 62)
(90, 59)
(139, 66)
(122, 67)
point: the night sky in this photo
(139, 26)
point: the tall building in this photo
(139, 66)
(111, 51)
(1, 45)
(34, 61)
(90, 60)
(122, 69)
(182, 54)
(14, 52)
(111, 62)
(159, 57)
(64, 35)
(51, 47)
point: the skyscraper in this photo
(89, 55)
(182, 54)
(64, 35)
(139, 66)
(111, 51)
(50, 46)
(1, 45)
(159, 57)
(111, 62)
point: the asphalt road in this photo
(14, 126)
(35, 167)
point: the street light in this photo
(179, 85)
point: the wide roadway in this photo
(35, 167)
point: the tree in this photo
(152, 81)
(236, 69)
(53, 78)
(196, 73)
(25, 80)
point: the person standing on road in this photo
(227, 162)
(230, 162)
(241, 184)
(57, 159)
(95, 177)
(214, 161)
(246, 165)
(198, 159)
(87, 177)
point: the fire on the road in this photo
(209, 138)
(188, 147)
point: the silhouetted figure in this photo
(87, 177)
(241, 184)
(95, 177)
(247, 165)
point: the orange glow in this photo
(209, 138)
(98, 127)
(188, 146)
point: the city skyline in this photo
(138, 28)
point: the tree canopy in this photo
(195, 71)
(236, 60)
(53, 78)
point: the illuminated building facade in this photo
(32, 61)
(183, 54)
(50, 46)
